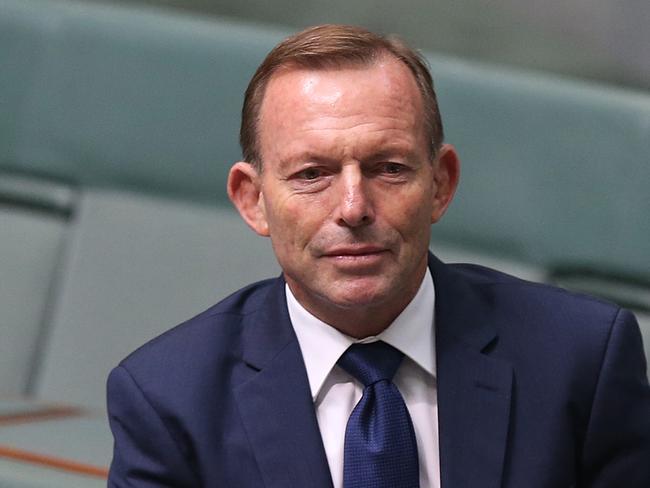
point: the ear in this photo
(446, 173)
(244, 190)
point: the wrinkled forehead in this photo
(368, 99)
(326, 85)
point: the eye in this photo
(309, 174)
(392, 168)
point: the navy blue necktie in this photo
(380, 448)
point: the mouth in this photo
(361, 254)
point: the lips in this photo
(356, 258)
(354, 251)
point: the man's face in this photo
(348, 190)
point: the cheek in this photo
(293, 225)
(410, 209)
(410, 216)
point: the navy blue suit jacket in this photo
(537, 388)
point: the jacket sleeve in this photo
(617, 445)
(145, 453)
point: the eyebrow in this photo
(385, 153)
(307, 156)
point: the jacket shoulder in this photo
(217, 329)
(517, 288)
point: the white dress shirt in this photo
(335, 392)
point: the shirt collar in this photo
(412, 332)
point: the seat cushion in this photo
(31, 244)
(135, 267)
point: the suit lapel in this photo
(474, 393)
(474, 389)
(275, 405)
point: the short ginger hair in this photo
(335, 46)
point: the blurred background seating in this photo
(117, 129)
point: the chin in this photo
(359, 296)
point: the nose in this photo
(355, 203)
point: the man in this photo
(493, 382)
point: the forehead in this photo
(387, 73)
(301, 98)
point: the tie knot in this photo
(372, 362)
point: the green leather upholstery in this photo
(138, 111)
(554, 171)
(18, 474)
(135, 266)
(114, 97)
(31, 245)
(33, 224)
(117, 99)
(84, 440)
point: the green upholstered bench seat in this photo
(136, 265)
(34, 217)
(122, 101)
(117, 129)
(554, 171)
(64, 452)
